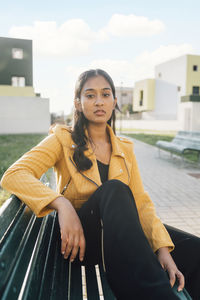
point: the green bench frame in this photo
(183, 141)
(31, 265)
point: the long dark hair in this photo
(80, 122)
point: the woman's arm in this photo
(72, 236)
(22, 178)
(153, 228)
(169, 265)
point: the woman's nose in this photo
(99, 100)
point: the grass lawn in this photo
(153, 138)
(12, 147)
(150, 138)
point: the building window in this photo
(141, 97)
(17, 53)
(159, 75)
(195, 68)
(179, 88)
(195, 90)
(18, 81)
(124, 94)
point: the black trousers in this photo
(114, 234)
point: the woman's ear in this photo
(77, 104)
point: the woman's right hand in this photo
(72, 236)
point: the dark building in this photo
(16, 63)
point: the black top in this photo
(103, 171)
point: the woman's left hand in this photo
(169, 265)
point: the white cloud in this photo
(139, 68)
(72, 38)
(125, 71)
(75, 37)
(133, 26)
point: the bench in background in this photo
(183, 142)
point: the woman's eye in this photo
(90, 96)
(106, 95)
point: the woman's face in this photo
(96, 100)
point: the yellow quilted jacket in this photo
(57, 150)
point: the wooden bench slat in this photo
(16, 257)
(91, 283)
(76, 282)
(9, 213)
(54, 283)
(34, 276)
(108, 294)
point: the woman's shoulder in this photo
(56, 128)
(62, 132)
(125, 145)
(124, 140)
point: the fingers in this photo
(75, 249)
(172, 278)
(64, 241)
(181, 280)
(71, 245)
(180, 277)
(72, 236)
(82, 247)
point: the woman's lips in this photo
(99, 112)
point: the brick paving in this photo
(175, 193)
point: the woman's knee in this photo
(115, 195)
(114, 190)
(115, 185)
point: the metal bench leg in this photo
(182, 160)
(159, 152)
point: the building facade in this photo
(21, 110)
(144, 95)
(124, 95)
(176, 83)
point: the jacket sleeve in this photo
(152, 226)
(22, 178)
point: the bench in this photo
(183, 142)
(32, 267)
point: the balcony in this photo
(190, 98)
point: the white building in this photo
(24, 115)
(174, 94)
(21, 110)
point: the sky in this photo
(126, 38)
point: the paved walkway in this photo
(175, 193)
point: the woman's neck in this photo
(100, 143)
(98, 133)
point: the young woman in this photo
(103, 211)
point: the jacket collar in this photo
(115, 165)
(116, 147)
